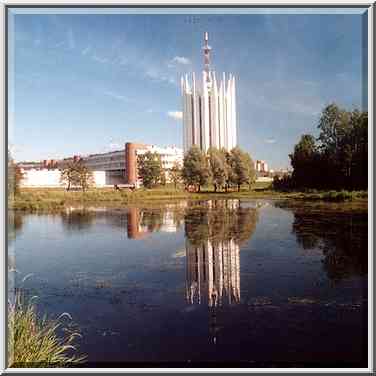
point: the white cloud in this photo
(114, 146)
(71, 39)
(156, 75)
(181, 60)
(270, 140)
(100, 59)
(291, 96)
(59, 44)
(116, 96)
(86, 50)
(14, 149)
(177, 115)
(123, 61)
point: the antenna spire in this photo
(207, 50)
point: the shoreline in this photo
(55, 200)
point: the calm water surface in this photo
(248, 283)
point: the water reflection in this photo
(214, 231)
(15, 224)
(77, 220)
(136, 299)
(340, 236)
(141, 222)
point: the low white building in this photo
(44, 178)
(40, 178)
(169, 155)
(110, 168)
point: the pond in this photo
(235, 283)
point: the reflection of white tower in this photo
(209, 112)
(213, 273)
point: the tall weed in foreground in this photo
(34, 342)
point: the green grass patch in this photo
(55, 200)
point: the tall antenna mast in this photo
(207, 50)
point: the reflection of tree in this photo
(15, 223)
(342, 237)
(214, 231)
(218, 221)
(151, 220)
(77, 220)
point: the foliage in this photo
(283, 183)
(239, 165)
(305, 161)
(76, 174)
(38, 342)
(150, 169)
(195, 168)
(338, 159)
(15, 176)
(218, 166)
(175, 174)
(85, 177)
(251, 169)
(224, 168)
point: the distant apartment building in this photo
(261, 166)
(110, 168)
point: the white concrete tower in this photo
(209, 111)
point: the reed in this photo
(34, 342)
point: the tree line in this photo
(219, 221)
(15, 176)
(219, 167)
(223, 169)
(337, 158)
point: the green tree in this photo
(15, 176)
(333, 125)
(175, 174)
(195, 168)
(339, 159)
(303, 161)
(239, 167)
(359, 160)
(218, 167)
(85, 177)
(69, 175)
(251, 169)
(150, 169)
(76, 174)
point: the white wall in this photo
(99, 178)
(264, 179)
(51, 178)
(41, 178)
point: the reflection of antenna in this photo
(213, 326)
(207, 50)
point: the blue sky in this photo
(85, 83)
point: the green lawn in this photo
(56, 199)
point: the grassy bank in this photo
(45, 199)
(34, 342)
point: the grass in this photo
(34, 342)
(55, 200)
